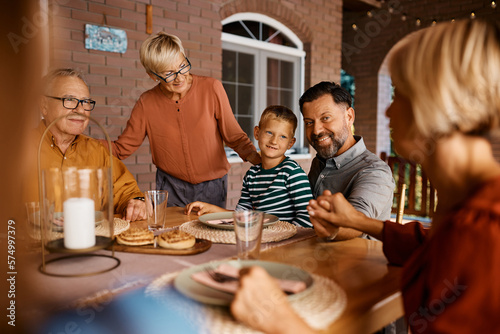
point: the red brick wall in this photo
(117, 80)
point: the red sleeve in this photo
(399, 241)
(452, 286)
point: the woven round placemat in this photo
(119, 226)
(277, 232)
(321, 305)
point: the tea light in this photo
(79, 223)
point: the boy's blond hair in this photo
(281, 113)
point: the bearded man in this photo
(342, 162)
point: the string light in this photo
(405, 17)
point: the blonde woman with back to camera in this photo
(441, 118)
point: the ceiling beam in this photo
(361, 5)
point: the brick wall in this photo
(365, 49)
(117, 80)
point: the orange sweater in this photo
(187, 136)
(83, 152)
(451, 279)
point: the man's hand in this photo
(135, 210)
(331, 211)
(254, 158)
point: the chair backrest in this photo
(421, 195)
(400, 203)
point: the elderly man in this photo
(66, 93)
(342, 163)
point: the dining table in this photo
(358, 268)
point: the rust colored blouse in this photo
(187, 136)
(451, 279)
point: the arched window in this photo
(262, 64)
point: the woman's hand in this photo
(254, 158)
(330, 211)
(202, 208)
(260, 303)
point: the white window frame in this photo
(263, 50)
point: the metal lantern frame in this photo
(57, 246)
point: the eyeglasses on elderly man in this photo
(72, 102)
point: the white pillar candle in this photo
(79, 223)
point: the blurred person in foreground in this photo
(442, 118)
(187, 119)
(66, 93)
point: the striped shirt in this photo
(283, 191)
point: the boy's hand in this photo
(202, 208)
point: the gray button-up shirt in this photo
(365, 180)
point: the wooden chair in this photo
(421, 195)
(401, 199)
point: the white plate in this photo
(229, 214)
(204, 294)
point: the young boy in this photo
(278, 186)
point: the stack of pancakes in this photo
(136, 237)
(176, 240)
(142, 236)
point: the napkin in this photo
(230, 286)
(221, 221)
(230, 221)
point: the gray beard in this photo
(330, 151)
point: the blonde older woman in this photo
(187, 119)
(446, 104)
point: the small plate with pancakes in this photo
(223, 220)
(173, 242)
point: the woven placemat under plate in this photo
(101, 229)
(319, 306)
(277, 232)
(119, 226)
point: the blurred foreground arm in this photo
(260, 304)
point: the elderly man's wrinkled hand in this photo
(135, 210)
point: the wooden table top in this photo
(358, 266)
(361, 269)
